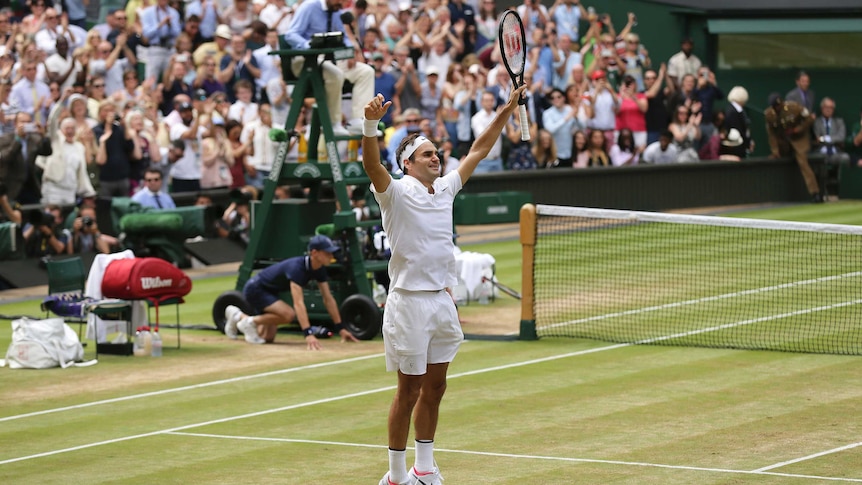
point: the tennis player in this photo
(421, 332)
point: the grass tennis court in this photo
(554, 411)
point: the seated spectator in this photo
(545, 150)
(86, 236)
(830, 133)
(624, 152)
(216, 159)
(216, 49)
(661, 151)
(710, 148)
(685, 129)
(64, 172)
(598, 155)
(152, 195)
(206, 77)
(244, 109)
(579, 149)
(520, 155)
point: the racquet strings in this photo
(513, 47)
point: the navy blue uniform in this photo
(263, 289)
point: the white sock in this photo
(424, 456)
(397, 465)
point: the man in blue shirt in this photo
(262, 292)
(318, 16)
(152, 195)
(160, 25)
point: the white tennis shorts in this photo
(420, 328)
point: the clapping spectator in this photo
(657, 93)
(545, 150)
(636, 59)
(630, 115)
(581, 155)
(559, 120)
(598, 154)
(685, 129)
(520, 155)
(707, 93)
(216, 158)
(64, 171)
(625, 151)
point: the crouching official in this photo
(262, 292)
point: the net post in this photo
(528, 246)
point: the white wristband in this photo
(369, 128)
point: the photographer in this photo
(86, 237)
(41, 235)
(236, 221)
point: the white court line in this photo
(389, 388)
(810, 457)
(300, 405)
(707, 299)
(188, 388)
(527, 457)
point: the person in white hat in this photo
(216, 49)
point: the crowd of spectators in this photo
(155, 96)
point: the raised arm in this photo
(487, 139)
(374, 111)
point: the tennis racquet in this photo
(513, 46)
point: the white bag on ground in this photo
(41, 344)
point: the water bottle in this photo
(139, 342)
(157, 343)
(147, 341)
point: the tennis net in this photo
(670, 279)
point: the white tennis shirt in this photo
(419, 228)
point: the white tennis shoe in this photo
(249, 329)
(432, 477)
(232, 315)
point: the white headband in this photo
(409, 149)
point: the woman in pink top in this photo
(633, 105)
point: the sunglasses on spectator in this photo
(411, 121)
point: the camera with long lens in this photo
(41, 218)
(87, 221)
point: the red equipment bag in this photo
(151, 279)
